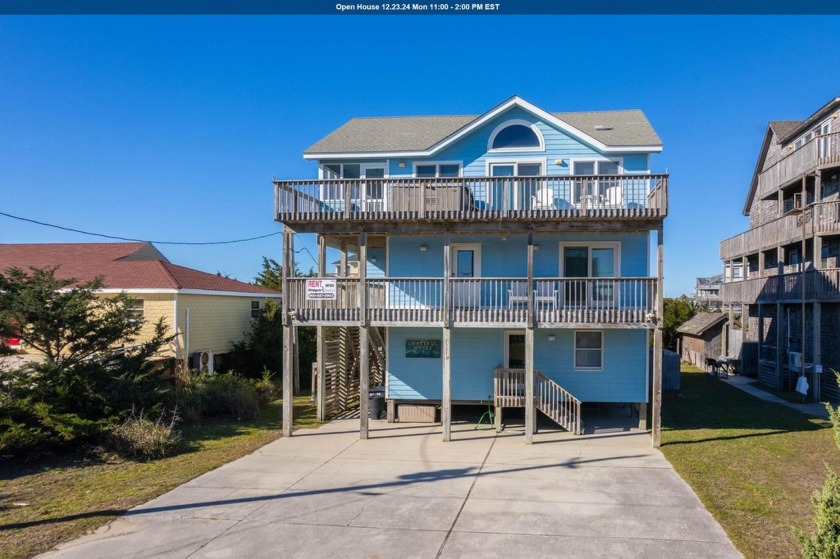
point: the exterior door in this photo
(589, 262)
(515, 350)
(373, 191)
(514, 193)
(466, 265)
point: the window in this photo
(516, 135)
(135, 310)
(597, 189)
(255, 309)
(434, 170)
(518, 192)
(594, 260)
(589, 350)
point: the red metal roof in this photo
(122, 266)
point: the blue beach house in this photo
(502, 258)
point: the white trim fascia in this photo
(514, 101)
(515, 122)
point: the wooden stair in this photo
(553, 400)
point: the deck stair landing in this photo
(549, 397)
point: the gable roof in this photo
(782, 132)
(134, 266)
(701, 322)
(627, 130)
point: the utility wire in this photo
(142, 240)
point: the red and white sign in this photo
(320, 290)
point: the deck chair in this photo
(517, 294)
(545, 295)
(615, 198)
(543, 199)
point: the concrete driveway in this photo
(405, 493)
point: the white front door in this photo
(466, 266)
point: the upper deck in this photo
(571, 202)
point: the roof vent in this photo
(603, 127)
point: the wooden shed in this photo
(702, 337)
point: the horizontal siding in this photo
(509, 258)
(471, 151)
(477, 352)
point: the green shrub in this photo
(825, 542)
(141, 438)
(33, 428)
(266, 387)
(202, 394)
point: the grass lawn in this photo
(70, 495)
(753, 463)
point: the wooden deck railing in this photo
(819, 218)
(821, 150)
(484, 302)
(549, 397)
(817, 285)
(472, 198)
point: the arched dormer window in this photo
(516, 135)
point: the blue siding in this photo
(471, 151)
(477, 352)
(508, 258)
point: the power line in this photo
(54, 226)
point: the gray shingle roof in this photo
(418, 133)
(782, 128)
(700, 323)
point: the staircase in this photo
(549, 397)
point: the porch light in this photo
(551, 337)
(559, 161)
(424, 248)
(402, 164)
(536, 247)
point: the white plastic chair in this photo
(543, 199)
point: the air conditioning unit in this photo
(202, 361)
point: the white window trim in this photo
(618, 160)
(489, 163)
(506, 345)
(575, 350)
(515, 122)
(615, 245)
(460, 165)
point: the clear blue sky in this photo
(170, 128)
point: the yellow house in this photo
(206, 312)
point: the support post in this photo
(656, 418)
(321, 386)
(816, 331)
(391, 410)
(288, 360)
(364, 340)
(643, 416)
(530, 288)
(447, 281)
(530, 412)
(446, 396)
(780, 321)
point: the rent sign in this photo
(320, 289)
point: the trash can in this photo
(376, 402)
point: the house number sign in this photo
(422, 349)
(320, 290)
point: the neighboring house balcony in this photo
(821, 218)
(822, 151)
(611, 202)
(817, 285)
(477, 302)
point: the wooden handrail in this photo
(550, 398)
